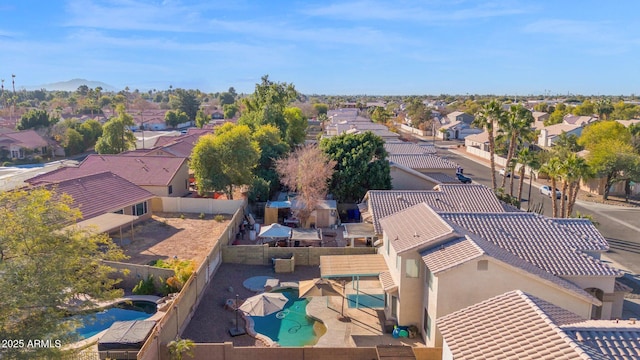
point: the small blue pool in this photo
(372, 301)
(291, 326)
(93, 323)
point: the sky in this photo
(345, 47)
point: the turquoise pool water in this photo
(94, 323)
(373, 301)
(291, 326)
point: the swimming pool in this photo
(291, 326)
(372, 301)
(93, 323)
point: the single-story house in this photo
(22, 144)
(549, 134)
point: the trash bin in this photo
(252, 235)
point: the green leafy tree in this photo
(361, 165)
(185, 101)
(267, 105)
(91, 130)
(45, 266)
(553, 169)
(202, 119)
(557, 115)
(321, 108)
(230, 110)
(116, 135)
(296, 126)
(74, 142)
(602, 131)
(418, 112)
(225, 159)
(34, 119)
(174, 118)
(587, 108)
(614, 160)
(227, 98)
(380, 115)
(604, 108)
(272, 148)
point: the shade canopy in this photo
(264, 304)
(275, 231)
(319, 287)
(305, 234)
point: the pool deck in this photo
(212, 320)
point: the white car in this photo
(505, 172)
(546, 190)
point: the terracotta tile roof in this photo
(422, 161)
(585, 228)
(442, 178)
(458, 251)
(406, 229)
(557, 129)
(513, 325)
(446, 197)
(140, 170)
(613, 339)
(406, 148)
(100, 193)
(534, 238)
(28, 139)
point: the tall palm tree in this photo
(487, 118)
(517, 123)
(552, 169)
(580, 171)
(526, 158)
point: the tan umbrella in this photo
(264, 304)
(321, 287)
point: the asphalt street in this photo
(618, 224)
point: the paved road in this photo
(619, 225)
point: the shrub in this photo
(182, 216)
(201, 216)
(145, 287)
(219, 218)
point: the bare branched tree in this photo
(306, 171)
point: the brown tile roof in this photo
(446, 197)
(422, 161)
(513, 325)
(458, 251)
(538, 240)
(406, 229)
(387, 282)
(442, 178)
(100, 193)
(28, 139)
(405, 148)
(613, 339)
(140, 170)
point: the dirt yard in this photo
(166, 235)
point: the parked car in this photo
(546, 190)
(464, 179)
(505, 172)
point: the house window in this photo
(139, 209)
(170, 189)
(394, 307)
(411, 268)
(483, 265)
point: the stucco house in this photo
(456, 130)
(571, 119)
(459, 116)
(549, 134)
(160, 175)
(539, 118)
(518, 325)
(442, 262)
(22, 144)
(408, 148)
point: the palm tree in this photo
(552, 169)
(490, 115)
(518, 123)
(526, 158)
(581, 171)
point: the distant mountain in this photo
(73, 85)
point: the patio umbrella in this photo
(264, 304)
(319, 287)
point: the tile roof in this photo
(140, 170)
(422, 161)
(586, 229)
(405, 148)
(458, 251)
(100, 193)
(446, 197)
(406, 229)
(536, 239)
(387, 282)
(429, 147)
(557, 129)
(614, 339)
(27, 138)
(482, 137)
(513, 325)
(442, 178)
